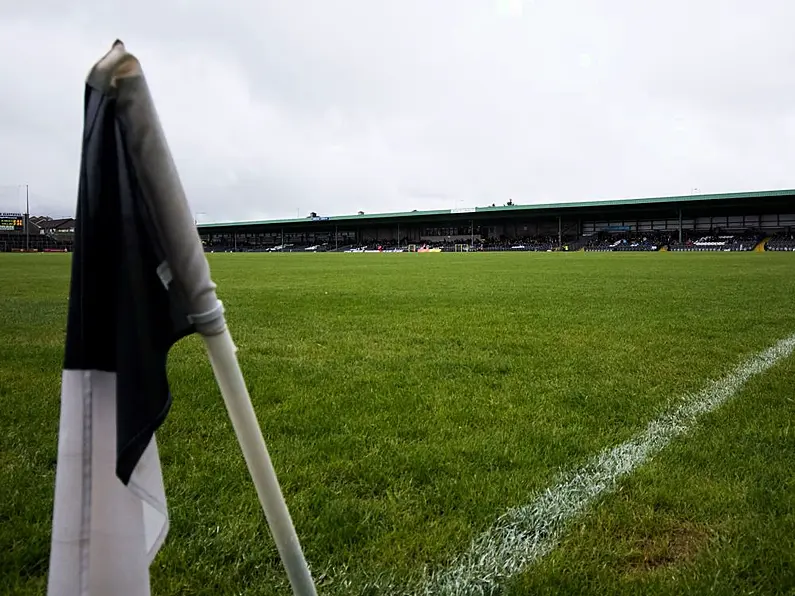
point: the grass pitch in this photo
(408, 400)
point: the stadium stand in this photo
(783, 241)
(524, 243)
(743, 241)
(627, 242)
(43, 234)
(717, 222)
(727, 222)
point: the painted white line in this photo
(525, 534)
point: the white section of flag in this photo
(105, 534)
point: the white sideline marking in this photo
(525, 534)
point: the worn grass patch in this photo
(664, 547)
(408, 400)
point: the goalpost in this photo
(462, 247)
(412, 248)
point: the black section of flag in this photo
(121, 317)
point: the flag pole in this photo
(162, 192)
(221, 350)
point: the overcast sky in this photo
(274, 109)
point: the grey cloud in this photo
(338, 106)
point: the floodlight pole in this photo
(27, 217)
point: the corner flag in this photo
(140, 282)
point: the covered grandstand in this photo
(36, 234)
(716, 222)
(740, 221)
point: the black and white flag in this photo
(138, 274)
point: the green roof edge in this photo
(503, 208)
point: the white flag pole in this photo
(227, 371)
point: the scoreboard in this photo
(12, 222)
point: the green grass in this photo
(408, 400)
(714, 514)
